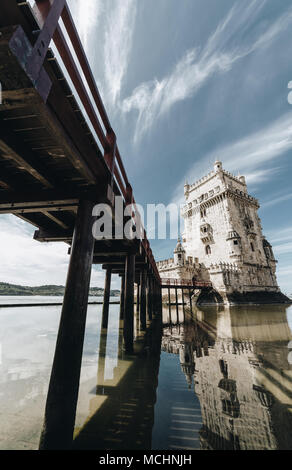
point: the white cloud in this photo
(119, 30)
(86, 15)
(259, 176)
(28, 262)
(283, 248)
(247, 155)
(154, 98)
(277, 200)
(285, 272)
(25, 261)
(281, 235)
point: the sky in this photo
(184, 83)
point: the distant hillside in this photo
(13, 289)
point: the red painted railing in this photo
(184, 282)
(49, 13)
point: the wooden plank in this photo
(106, 298)
(143, 300)
(129, 304)
(61, 236)
(22, 159)
(55, 219)
(54, 198)
(16, 99)
(42, 209)
(12, 14)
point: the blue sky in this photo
(185, 83)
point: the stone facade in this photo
(223, 240)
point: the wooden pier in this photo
(59, 158)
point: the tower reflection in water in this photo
(236, 360)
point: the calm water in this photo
(210, 380)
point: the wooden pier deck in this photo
(59, 157)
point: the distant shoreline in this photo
(7, 289)
(52, 304)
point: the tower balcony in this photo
(206, 233)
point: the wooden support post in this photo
(151, 298)
(62, 396)
(122, 297)
(183, 302)
(129, 303)
(106, 298)
(190, 296)
(138, 298)
(143, 280)
(176, 301)
(149, 293)
(101, 361)
(155, 297)
(169, 305)
(160, 301)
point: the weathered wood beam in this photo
(55, 220)
(106, 298)
(15, 99)
(122, 298)
(114, 261)
(23, 199)
(58, 236)
(26, 220)
(129, 304)
(148, 298)
(47, 210)
(116, 245)
(15, 150)
(143, 300)
(51, 199)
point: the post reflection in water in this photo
(235, 360)
(121, 407)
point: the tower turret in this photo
(179, 254)
(218, 166)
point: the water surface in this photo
(210, 379)
(228, 370)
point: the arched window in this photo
(252, 246)
(208, 250)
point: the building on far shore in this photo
(223, 243)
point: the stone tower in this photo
(223, 231)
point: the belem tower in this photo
(223, 243)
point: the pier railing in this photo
(184, 282)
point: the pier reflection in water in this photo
(121, 403)
(236, 362)
(117, 392)
(216, 379)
